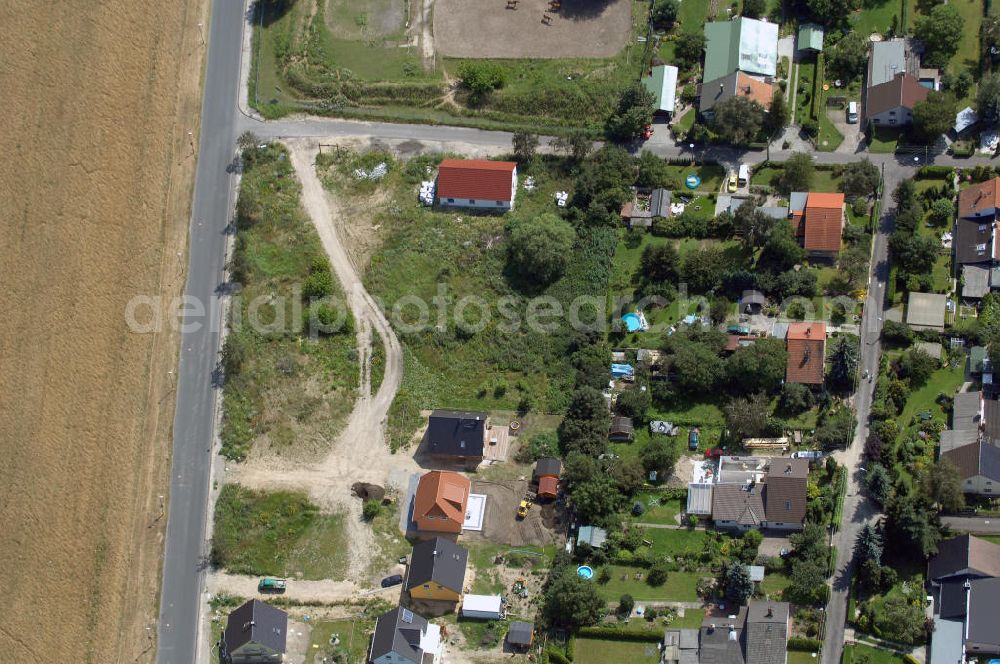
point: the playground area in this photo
(531, 28)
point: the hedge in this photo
(612, 634)
(803, 644)
(556, 657)
(571, 647)
(817, 95)
(934, 172)
(832, 563)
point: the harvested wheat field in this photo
(96, 185)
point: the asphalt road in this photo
(977, 525)
(858, 508)
(185, 556)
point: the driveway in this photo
(973, 524)
(853, 138)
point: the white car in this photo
(807, 454)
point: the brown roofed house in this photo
(806, 343)
(964, 556)
(546, 474)
(891, 103)
(823, 224)
(785, 493)
(978, 465)
(738, 506)
(980, 200)
(440, 502)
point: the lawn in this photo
(353, 637)
(800, 657)
(774, 583)
(600, 651)
(679, 587)
(853, 654)
(990, 538)
(943, 381)
(804, 91)
(276, 533)
(661, 509)
(822, 180)
(286, 390)
(884, 140)
(676, 542)
(877, 17)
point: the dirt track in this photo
(96, 186)
(360, 452)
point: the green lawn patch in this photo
(276, 533)
(600, 651)
(679, 587)
(774, 583)
(877, 17)
(676, 542)
(661, 509)
(285, 388)
(990, 538)
(884, 140)
(353, 635)
(943, 381)
(853, 654)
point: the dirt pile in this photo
(96, 177)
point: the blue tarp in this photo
(622, 370)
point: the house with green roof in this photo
(810, 38)
(743, 44)
(662, 83)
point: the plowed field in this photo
(95, 189)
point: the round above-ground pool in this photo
(632, 322)
(585, 572)
(692, 181)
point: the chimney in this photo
(732, 633)
(770, 611)
(809, 330)
(788, 469)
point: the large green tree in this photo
(571, 602)
(759, 367)
(776, 117)
(585, 426)
(849, 57)
(860, 178)
(808, 582)
(830, 12)
(988, 99)
(540, 248)
(941, 32)
(844, 362)
(688, 49)
(737, 120)
(942, 484)
(665, 13)
(634, 111)
(659, 263)
(751, 225)
(797, 174)
(739, 586)
(659, 455)
(703, 269)
(747, 417)
(933, 116)
(781, 250)
(597, 500)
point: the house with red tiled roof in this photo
(736, 84)
(806, 344)
(440, 502)
(823, 224)
(477, 183)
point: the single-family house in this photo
(967, 411)
(520, 635)
(775, 498)
(736, 84)
(644, 208)
(738, 506)
(480, 184)
(662, 84)
(964, 583)
(818, 221)
(755, 634)
(403, 637)
(925, 311)
(457, 437)
(785, 493)
(979, 361)
(806, 344)
(975, 282)
(891, 103)
(980, 201)
(978, 465)
(810, 38)
(440, 502)
(742, 44)
(621, 429)
(436, 571)
(546, 475)
(255, 633)
(680, 646)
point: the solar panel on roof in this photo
(407, 616)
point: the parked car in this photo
(743, 178)
(269, 584)
(391, 581)
(852, 112)
(732, 185)
(693, 436)
(807, 454)
(714, 452)
(647, 132)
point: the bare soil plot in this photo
(487, 29)
(96, 182)
(500, 523)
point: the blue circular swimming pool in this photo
(632, 322)
(585, 572)
(692, 181)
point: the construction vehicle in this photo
(269, 584)
(526, 503)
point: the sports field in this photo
(96, 181)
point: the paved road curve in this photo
(185, 555)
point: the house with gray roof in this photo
(403, 637)
(966, 411)
(991, 421)
(680, 646)
(964, 582)
(979, 361)
(975, 281)
(951, 438)
(978, 465)
(255, 633)
(755, 634)
(925, 311)
(437, 570)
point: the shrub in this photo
(370, 509)
(657, 574)
(625, 605)
(802, 644)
